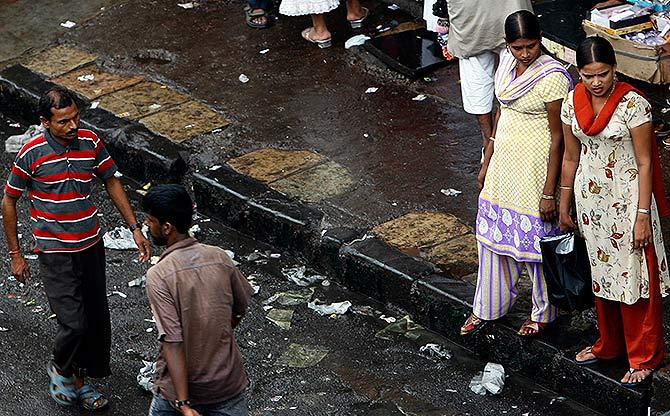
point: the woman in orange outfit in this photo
(611, 162)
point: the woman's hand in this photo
(642, 231)
(566, 222)
(547, 210)
(482, 176)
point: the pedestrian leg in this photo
(496, 284)
(543, 311)
(643, 322)
(610, 343)
(64, 292)
(94, 356)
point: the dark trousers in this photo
(75, 285)
(261, 4)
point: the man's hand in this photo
(142, 245)
(188, 411)
(20, 268)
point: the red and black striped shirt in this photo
(58, 180)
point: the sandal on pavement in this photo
(61, 388)
(645, 379)
(531, 328)
(358, 23)
(91, 399)
(472, 325)
(250, 15)
(321, 43)
(588, 361)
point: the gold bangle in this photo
(548, 197)
(643, 211)
(567, 188)
(493, 139)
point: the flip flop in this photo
(58, 390)
(590, 361)
(250, 15)
(358, 23)
(472, 325)
(638, 383)
(321, 43)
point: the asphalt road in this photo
(359, 375)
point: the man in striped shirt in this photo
(57, 168)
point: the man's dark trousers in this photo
(75, 285)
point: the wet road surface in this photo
(360, 375)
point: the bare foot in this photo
(259, 20)
(313, 34)
(585, 355)
(634, 376)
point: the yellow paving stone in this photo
(59, 60)
(102, 83)
(458, 255)
(141, 100)
(269, 165)
(317, 183)
(185, 121)
(420, 229)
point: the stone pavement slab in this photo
(102, 82)
(420, 229)
(141, 100)
(269, 165)
(317, 183)
(185, 121)
(53, 62)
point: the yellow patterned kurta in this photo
(508, 218)
(606, 198)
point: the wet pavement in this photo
(360, 374)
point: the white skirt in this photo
(305, 7)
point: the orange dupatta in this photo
(592, 125)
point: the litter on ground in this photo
(357, 40)
(264, 51)
(436, 351)
(69, 24)
(281, 317)
(189, 5)
(450, 192)
(297, 276)
(492, 379)
(139, 282)
(291, 297)
(146, 375)
(337, 308)
(14, 143)
(419, 97)
(193, 230)
(371, 90)
(86, 78)
(404, 326)
(243, 78)
(302, 356)
(120, 238)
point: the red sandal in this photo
(472, 325)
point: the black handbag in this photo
(567, 271)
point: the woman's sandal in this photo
(321, 43)
(588, 361)
(531, 328)
(61, 388)
(358, 23)
(472, 325)
(250, 15)
(646, 378)
(91, 399)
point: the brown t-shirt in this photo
(194, 292)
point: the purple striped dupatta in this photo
(509, 87)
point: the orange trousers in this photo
(635, 329)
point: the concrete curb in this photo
(368, 265)
(139, 153)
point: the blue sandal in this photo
(90, 398)
(58, 387)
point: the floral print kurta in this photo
(606, 199)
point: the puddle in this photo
(412, 52)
